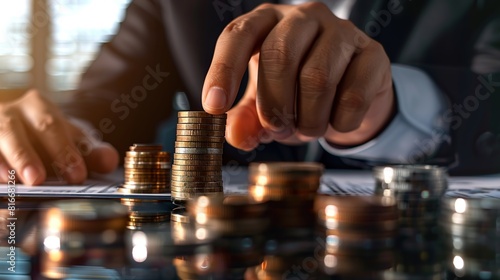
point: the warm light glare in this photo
(388, 175)
(330, 261)
(261, 180)
(201, 218)
(458, 262)
(52, 243)
(460, 205)
(203, 201)
(201, 234)
(259, 193)
(139, 253)
(139, 239)
(331, 211)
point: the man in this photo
(311, 75)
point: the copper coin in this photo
(204, 168)
(218, 121)
(285, 169)
(229, 207)
(215, 133)
(147, 166)
(196, 179)
(195, 126)
(198, 163)
(181, 184)
(180, 144)
(208, 157)
(194, 138)
(199, 151)
(146, 147)
(199, 172)
(147, 154)
(186, 196)
(199, 114)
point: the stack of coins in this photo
(240, 224)
(197, 167)
(418, 190)
(80, 233)
(290, 188)
(147, 170)
(359, 234)
(471, 232)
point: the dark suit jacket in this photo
(456, 42)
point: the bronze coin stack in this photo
(197, 167)
(80, 232)
(290, 188)
(147, 170)
(359, 234)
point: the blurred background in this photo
(47, 44)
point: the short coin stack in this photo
(290, 188)
(197, 166)
(418, 190)
(359, 234)
(147, 170)
(471, 235)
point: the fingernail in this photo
(216, 99)
(30, 175)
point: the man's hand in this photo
(311, 75)
(36, 140)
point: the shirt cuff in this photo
(416, 130)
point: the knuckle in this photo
(312, 129)
(277, 54)
(264, 6)
(6, 125)
(317, 79)
(314, 6)
(353, 101)
(18, 158)
(243, 27)
(224, 68)
(48, 123)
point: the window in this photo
(48, 43)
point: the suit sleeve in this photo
(126, 91)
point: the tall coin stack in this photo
(418, 190)
(471, 236)
(290, 188)
(197, 167)
(147, 170)
(359, 234)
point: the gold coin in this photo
(212, 157)
(186, 196)
(196, 190)
(180, 184)
(204, 168)
(199, 114)
(199, 151)
(196, 179)
(161, 154)
(196, 126)
(286, 169)
(147, 166)
(180, 144)
(218, 121)
(198, 172)
(194, 138)
(215, 133)
(145, 147)
(198, 163)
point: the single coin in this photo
(272, 169)
(196, 179)
(147, 166)
(194, 138)
(181, 184)
(195, 126)
(201, 151)
(200, 133)
(218, 121)
(197, 190)
(147, 154)
(198, 163)
(146, 147)
(228, 207)
(186, 195)
(213, 157)
(199, 114)
(179, 144)
(198, 172)
(180, 215)
(203, 168)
